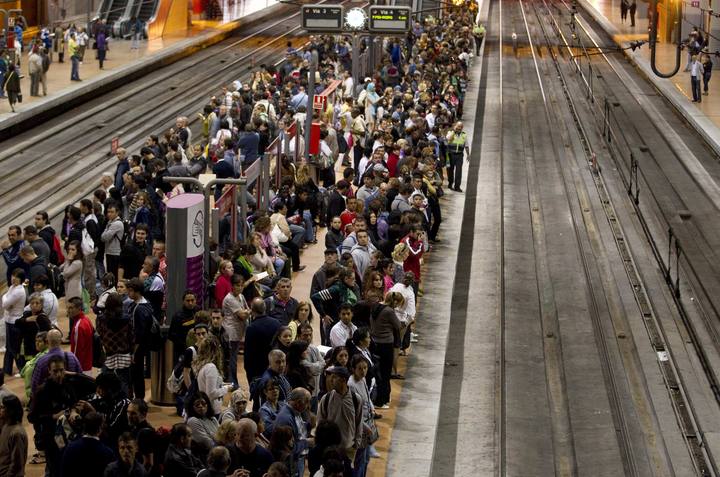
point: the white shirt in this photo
(340, 333)
(348, 86)
(407, 313)
(13, 303)
(696, 69)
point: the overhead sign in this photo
(322, 17)
(389, 19)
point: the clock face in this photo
(355, 18)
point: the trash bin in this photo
(161, 365)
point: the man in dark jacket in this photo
(49, 402)
(182, 322)
(126, 465)
(11, 251)
(133, 254)
(258, 339)
(179, 460)
(76, 226)
(37, 266)
(336, 203)
(88, 456)
(122, 167)
(248, 143)
(141, 316)
(47, 233)
(291, 415)
(42, 249)
(281, 305)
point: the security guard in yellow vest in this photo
(456, 147)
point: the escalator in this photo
(117, 11)
(104, 9)
(143, 10)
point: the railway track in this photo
(73, 148)
(571, 213)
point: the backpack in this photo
(87, 244)
(175, 380)
(56, 252)
(56, 280)
(98, 351)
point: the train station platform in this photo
(703, 116)
(122, 64)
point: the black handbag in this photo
(19, 97)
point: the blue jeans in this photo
(362, 458)
(75, 69)
(309, 229)
(13, 341)
(234, 350)
(695, 84)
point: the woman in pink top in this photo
(223, 286)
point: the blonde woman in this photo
(227, 433)
(400, 253)
(206, 366)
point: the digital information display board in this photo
(322, 17)
(385, 19)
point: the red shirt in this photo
(412, 263)
(222, 288)
(346, 218)
(392, 162)
(81, 341)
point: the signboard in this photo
(322, 17)
(319, 102)
(185, 247)
(695, 3)
(389, 19)
(114, 145)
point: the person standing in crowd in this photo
(88, 455)
(49, 402)
(141, 318)
(696, 74)
(82, 41)
(13, 303)
(707, 72)
(35, 70)
(457, 148)
(258, 340)
(344, 407)
(179, 459)
(112, 237)
(74, 52)
(101, 44)
(632, 9)
(81, 334)
(12, 87)
(13, 438)
(235, 318)
(127, 464)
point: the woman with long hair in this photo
(282, 339)
(206, 366)
(201, 420)
(296, 373)
(374, 281)
(223, 285)
(72, 270)
(303, 314)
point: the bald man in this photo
(72, 364)
(246, 454)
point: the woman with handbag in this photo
(12, 87)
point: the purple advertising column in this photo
(185, 237)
